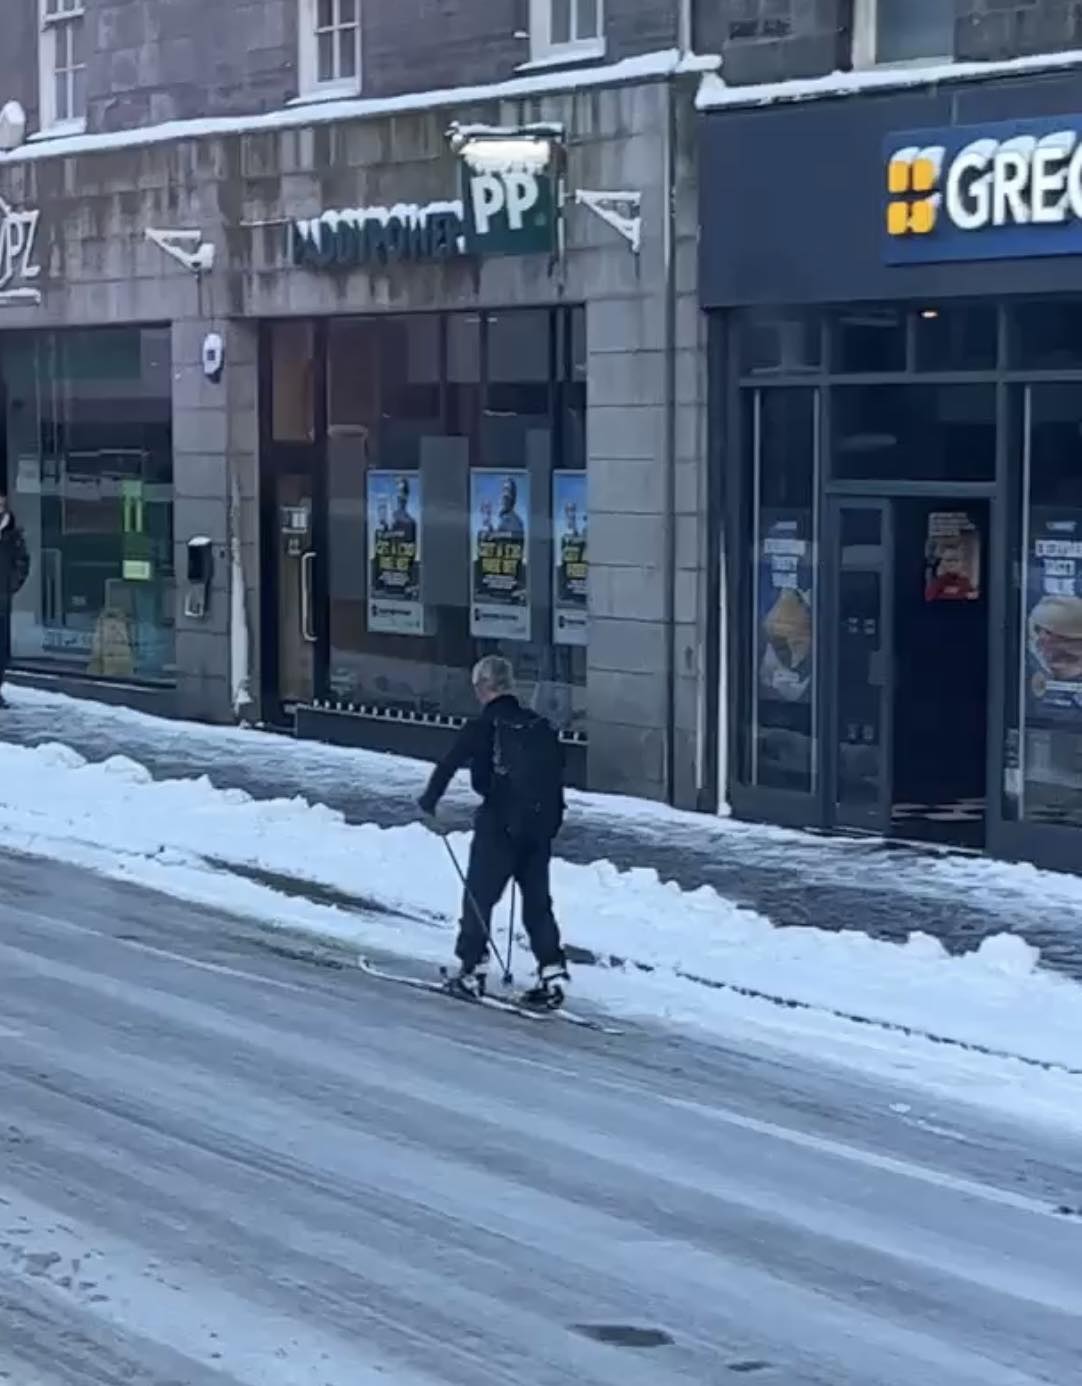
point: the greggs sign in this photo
(984, 193)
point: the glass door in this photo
(295, 577)
(292, 519)
(862, 561)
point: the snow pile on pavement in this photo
(113, 816)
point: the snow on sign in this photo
(18, 266)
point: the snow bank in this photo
(650, 936)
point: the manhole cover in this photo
(624, 1335)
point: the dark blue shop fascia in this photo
(792, 197)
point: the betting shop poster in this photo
(786, 625)
(1054, 615)
(569, 558)
(394, 553)
(499, 555)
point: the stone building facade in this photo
(629, 700)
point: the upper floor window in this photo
(330, 47)
(63, 64)
(567, 29)
(902, 31)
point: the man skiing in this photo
(14, 570)
(516, 766)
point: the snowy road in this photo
(220, 1164)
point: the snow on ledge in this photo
(666, 63)
(715, 94)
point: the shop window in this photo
(914, 432)
(89, 441)
(459, 527)
(566, 29)
(409, 390)
(902, 31)
(516, 420)
(869, 340)
(1044, 753)
(779, 699)
(956, 337)
(782, 343)
(330, 47)
(1046, 335)
(62, 64)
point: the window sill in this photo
(333, 91)
(903, 64)
(565, 56)
(58, 130)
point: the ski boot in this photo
(551, 990)
(468, 983)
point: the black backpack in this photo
(527, 776)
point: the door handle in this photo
(308, 625)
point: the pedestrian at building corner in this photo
(14, 570)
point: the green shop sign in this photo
(508, 207)
(508, 188)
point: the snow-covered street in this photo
(223, 1166)
(990, 1024)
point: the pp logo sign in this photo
(508, 211)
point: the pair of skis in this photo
(508, 1005)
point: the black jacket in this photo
(14, 558)
(473, 747)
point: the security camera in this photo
(213, 356)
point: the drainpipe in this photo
(684, 33)
(669, 457)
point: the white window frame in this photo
(310, 87)
(52, 18)
(542, 47)
(866, 40)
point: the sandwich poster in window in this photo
(1054, 616)
(569, 559)
(499, 555)
(785, 621)
(394, 553)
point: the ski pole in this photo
(508, 979)
(474, 905)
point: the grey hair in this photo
(495, 673)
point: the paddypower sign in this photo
(983, 192)
(507, 207)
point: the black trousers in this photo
(496, 859)
(5, 639)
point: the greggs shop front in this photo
(895, 289)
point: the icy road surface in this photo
(225, 1166)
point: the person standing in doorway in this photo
(516, 766)
(14, 570)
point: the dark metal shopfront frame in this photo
(1050, 845)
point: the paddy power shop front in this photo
(897, 417)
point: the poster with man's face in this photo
(1054, 616)
(570, 577)
(395, 605)
(499, 554)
